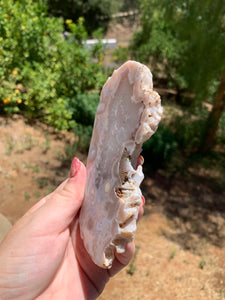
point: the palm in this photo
(43, 256)
(71, 274)
(51, 265)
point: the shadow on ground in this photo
(195, 205)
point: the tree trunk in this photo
(214, 117)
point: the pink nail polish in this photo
(140, 161)
(75, 167)
(143, 200)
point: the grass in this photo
(173, 253)
(132, 268)
(27, 196)
(202, 264)
(49, 190)
(27, 143)
(58, 154)
(37, 194)
(10, 146)
(35, 168)
(42, 182)
(46, 145)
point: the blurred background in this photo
(55, 57)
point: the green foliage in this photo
(37, 194)
(184, 43)
(184, 40)
(84, 136)
(27, 196)
(121, 54)
(172, 254)
(10, 146)
(132, 268)
(40, 71)
(35, 168)
(81, 143)
(97, 13)
(129, 5)
(189, 129)
(46, 145)
(84, 107)
(156, 42)
(221, 129)
(202, 264)
(160, 148)
(42, 182)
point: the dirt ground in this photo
(179, 242)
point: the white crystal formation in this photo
(128, 114)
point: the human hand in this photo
(43, 256)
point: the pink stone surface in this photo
(128, 114)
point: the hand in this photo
(43, 256)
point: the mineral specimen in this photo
(128, 114)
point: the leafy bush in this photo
(81, 142)
(84, 107)
(221, 129)
(121, 54)
(160, 148)
(42, 74)
(189, 129)
(84, 136)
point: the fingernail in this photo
(140, 160)
(75, 167)
(143, 200)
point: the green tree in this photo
(96, 13)
(185, 39)
(214, 117)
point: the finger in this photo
(36, 206)
(141, 208)
(122, 259)
(140, 213)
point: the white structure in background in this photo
(89, 44)
(108, 43)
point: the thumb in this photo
(61, 206)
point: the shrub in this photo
(189, 129)
(221, 129)
(121, 54)
(41, 73)
(160, 148)
(84, 107)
